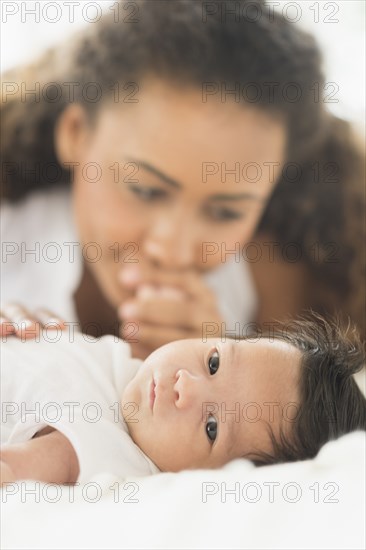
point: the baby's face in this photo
(201, 405)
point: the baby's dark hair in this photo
(332, 404)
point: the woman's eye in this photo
(147, 193)
(211, 428)
(225, 214)
(214, 362)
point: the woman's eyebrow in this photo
(153, 170)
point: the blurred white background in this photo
(339, 27)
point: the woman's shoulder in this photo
(282, 281)
(233, 284)
(41, 253)
(51, 209)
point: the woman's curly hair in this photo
(181, 42)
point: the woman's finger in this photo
(49, 319)
(163, 312)
(25, 325)
(133, 276)
(153, 336)
(168, 307)
(16, 319)
(6, 327)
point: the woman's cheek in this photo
(227, 244)
(109, 233)
(106, 217)
(117, 235)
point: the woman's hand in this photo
(165, 307)
(18, 321)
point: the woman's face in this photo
(178, 181)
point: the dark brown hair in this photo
(331, 403)
(180, 42)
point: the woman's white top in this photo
(74, 383)
(42, 262)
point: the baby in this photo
(81, 406)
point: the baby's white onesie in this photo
(75, 385)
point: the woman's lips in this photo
(152, 394)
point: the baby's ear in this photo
(71, 134)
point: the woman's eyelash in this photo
(152, 194)
(214, 362)
(147, 193)
(224, 214)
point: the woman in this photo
(209, 187)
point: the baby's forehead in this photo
(268, 365)
(265, 346)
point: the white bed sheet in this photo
(170, 512)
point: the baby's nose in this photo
(187, 389)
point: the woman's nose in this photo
(188, 389)
(170, 244)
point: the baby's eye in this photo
(214, 362)
(211, 428)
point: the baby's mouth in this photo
(152, 394)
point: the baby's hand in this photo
(49, 458)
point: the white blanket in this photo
(318, 504)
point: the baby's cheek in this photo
(129, 396)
